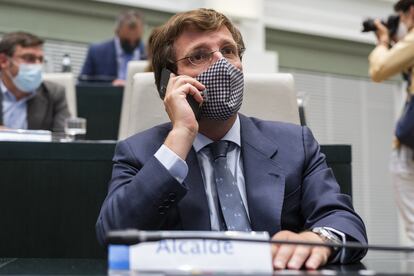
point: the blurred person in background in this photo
(385, 62)
(27, 102)
(107, 61)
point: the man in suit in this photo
(27, 101)
(107, 61)
(270, 176)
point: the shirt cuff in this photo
(340, 255)
(176, 166)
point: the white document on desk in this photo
(25, 135)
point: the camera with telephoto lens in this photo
(391, 23)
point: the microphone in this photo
(133, 236)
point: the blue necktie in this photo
(230, 201)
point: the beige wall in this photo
(87, 21)
(71, 20)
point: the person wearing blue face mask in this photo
(27, 102)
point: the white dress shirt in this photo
(14, 111)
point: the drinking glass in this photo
(75, 128)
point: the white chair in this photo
(136, 66)
(270, 97)
(67, 80)
(266, 96)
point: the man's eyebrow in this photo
(222, 41)
(228, 41)
(198, 47)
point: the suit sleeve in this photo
(323, 205)
(137, 193)
(385, 63)
(60, 109)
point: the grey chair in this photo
(67, 80)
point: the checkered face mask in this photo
(224, 90)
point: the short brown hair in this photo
(9, 42)
(162, 39)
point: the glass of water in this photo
(75, 128)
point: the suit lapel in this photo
(264, 179)
(193, 207)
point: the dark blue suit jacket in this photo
(101, 62)
(288, 186)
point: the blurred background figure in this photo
(386, 61)
(107, 61)
(27, 102)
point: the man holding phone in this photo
(224, 171)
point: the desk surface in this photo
(17, 266)
(50, 197)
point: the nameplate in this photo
(197, 255)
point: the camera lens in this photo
(368, 25)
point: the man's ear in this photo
(4, 61)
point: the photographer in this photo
(384, 63)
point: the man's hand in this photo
(185, 125)
(176, 105)
(118, 82)
(295, 256)
(382, 33)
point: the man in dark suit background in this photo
(26, 101)
(107, 61)
(274, 178)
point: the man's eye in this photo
(31, 58)
(28, 58)
(228, 51)
(198, 57)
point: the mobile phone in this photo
(165, 77)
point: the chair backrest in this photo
(142, 108)
(67, 80)
(270, 97)
(135, 66)
(266, 96)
